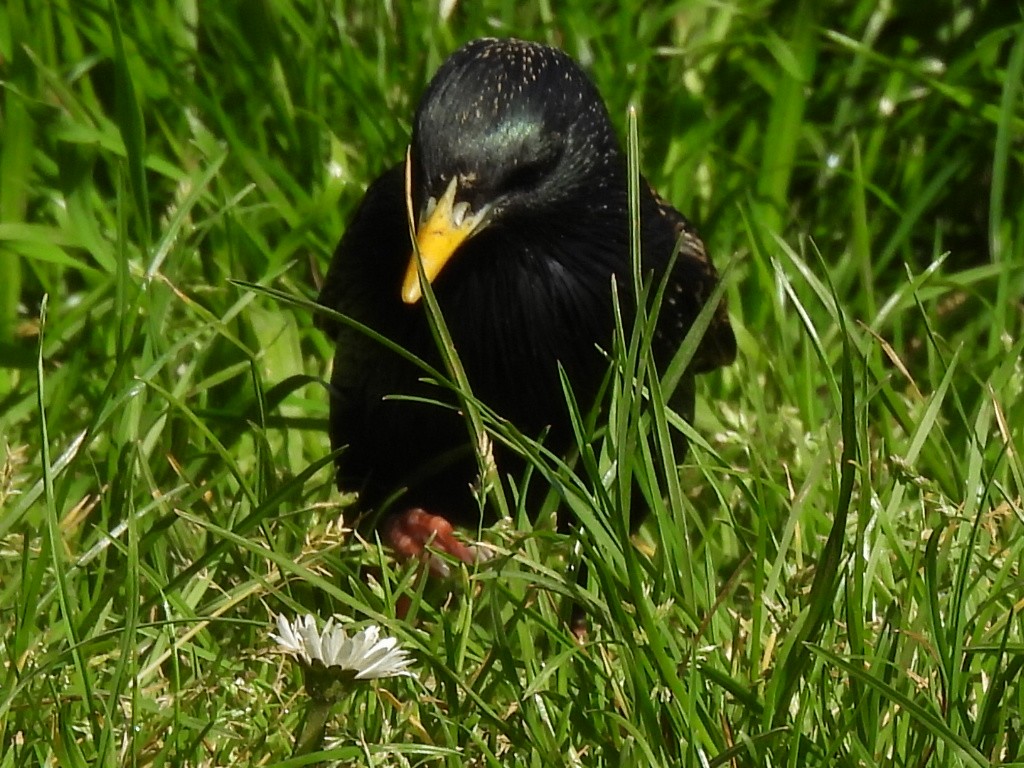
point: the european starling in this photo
(519, 193)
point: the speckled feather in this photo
(524, 131)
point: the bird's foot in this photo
(415, 533)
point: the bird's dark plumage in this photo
(519, 189)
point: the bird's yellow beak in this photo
(444, 226)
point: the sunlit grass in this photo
(832, 578)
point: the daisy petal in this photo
(365, 653)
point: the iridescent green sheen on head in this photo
(518, 123)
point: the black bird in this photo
(519, 194)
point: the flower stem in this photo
(311, 732)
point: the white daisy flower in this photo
(364, 655)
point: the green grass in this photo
(833, 578)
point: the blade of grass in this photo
(928, 719)
(55, 545)
(131, 126)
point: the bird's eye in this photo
(527, 176)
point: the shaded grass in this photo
(833, 577)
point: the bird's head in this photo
(506, 130)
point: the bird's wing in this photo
(369, 261)
(361, 283)
(693, 280)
